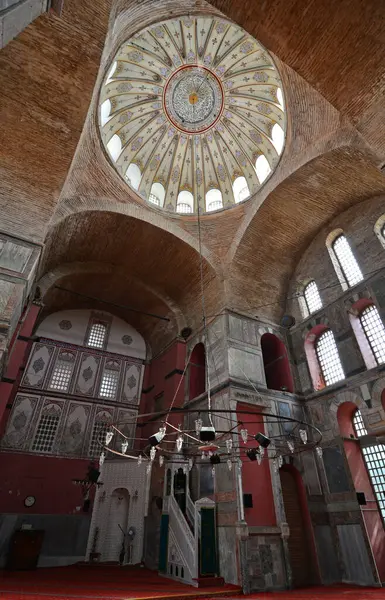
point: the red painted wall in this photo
(256, 478)
(197, 372)
(163, 375)
(49, 479)
(276, 363)
(370, 512)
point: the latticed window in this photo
(312, 297)
(347, 261)
(61, 375)
(154, 199)
(109, 384)
(328, 358)
(182, 207)
(216, 205)
(98, 436)
(374, 457)
(46, 431)
(97, 335)
(375, 332)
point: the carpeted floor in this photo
(114, 583)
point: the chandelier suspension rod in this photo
(142, 312)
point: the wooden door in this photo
(300, 552)
(24, 549)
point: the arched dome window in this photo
(105, 110)
(262, 168)
(157, 194)
(379, 230)
(214, 200)
(328, 358)
(114, 147)
(133, 175)
(280, 96)
(185, 202)
(278, 137)
(312, 297)
(240, 189)
(111, 72)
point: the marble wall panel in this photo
(18, 426)
(72, 436)
(38, 364)
(246, 365)
(131, 382)
(87, 374)
(357, 565)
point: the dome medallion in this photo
(192, 114)
(193, 99)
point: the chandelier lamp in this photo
(234, 437)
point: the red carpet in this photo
(99, 583)
(129, 583)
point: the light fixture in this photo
(140, 459)
(252, 453)
(262, 440)
(102, 459)
(198, 425)
(280, 461)
(157, 437)
(244, 435)
(319, 451)
(290, 445)
(215, 459)
(124, 446)
(179, 443)
(229, 445)
(152, 453)
(207, 434)
(161, 460)
(109, 436)
(229, 464)
(303, 435)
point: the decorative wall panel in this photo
(74, 429)
(23, 410)
(335, 470)
(131, 383)
(14, 257)
(38, 365)
(87, 375)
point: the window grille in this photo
(61, 375)
(97, 335)
(183, 207)
(97, 438)
(312, 297)
(347, 262)
(109, 384)
(374, 457)
(215, 205)
(154, 199)
(45, 434)
(375, 332)
(328, 358)
(358, 424)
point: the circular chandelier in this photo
(211, 436)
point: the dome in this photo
(192, 115)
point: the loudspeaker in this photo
(361, 498)
(248, 500)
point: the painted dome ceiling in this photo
(191, 114)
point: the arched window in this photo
(328, 358)
(312, 298)
(374, 457)
(262, 168)
(105, 110)
(114, 147)
(346, 260)
(278, 137)
(379, 230)
(374, 330)
(185, 202)
(133, 175)
(276, 363)
(197, 374)
(240, 189)
(214, 200)
(157, 194)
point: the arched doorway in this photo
(298, 519)
(197, 375)
(117, 524)
(276, 363)
(180, 489)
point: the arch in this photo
(276, 363)
(118, 515)
(312, 356)
(240, 189)
(379, 230)
(214, 200)
(197, 371)
(301, 541)
(133, 175)
(157, 194)
(369, 331)
(378, 393)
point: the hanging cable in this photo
(204, 316)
